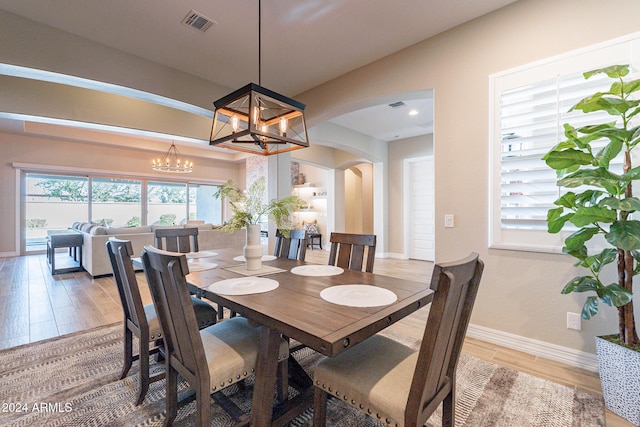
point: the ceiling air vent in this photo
(398, 104)
(198, 21)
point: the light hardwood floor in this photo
(34, 305)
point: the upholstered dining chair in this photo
(211, 359)
(182, 240)
(141, 320)
(394, 383)
(348, 251)
(292, 247)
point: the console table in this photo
(65, 239)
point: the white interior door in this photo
(420, 208)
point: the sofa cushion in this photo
(155, 227)
(98, 230)
(127, 230)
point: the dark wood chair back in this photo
(120, 253)
(348, 251)
(135, 316)
(455, 285)
(292, 247)
(181, 240)
(165, 273)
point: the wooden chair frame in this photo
(135, 320)
(292, 247)
(181, 240)
(348, 251)
(456, 287)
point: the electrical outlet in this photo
(574, 321)
(448, 220)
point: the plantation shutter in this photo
(528, 107)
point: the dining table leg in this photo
(265, 378)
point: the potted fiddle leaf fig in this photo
(250, 208)
(599, 201)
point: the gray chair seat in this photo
(231, 349)
(206, 315)
(371, 375)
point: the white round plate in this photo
(358, 295)
(196, 265)
(264, 258)
(317, 270)
(201, 254)
(244, 286)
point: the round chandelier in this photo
(171, 162)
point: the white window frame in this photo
(617, 51)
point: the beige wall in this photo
(520, 292)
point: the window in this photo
(202, 205)
(52, 202)
(530, 106)
(166, 203)
(55, 201)
(116, 202)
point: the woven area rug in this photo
(73, 381)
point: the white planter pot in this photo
(619, 369)
(253, 248)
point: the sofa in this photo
(96, 261)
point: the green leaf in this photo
(599, 177)
(592, 215)
(624, 234)
(580, 254)
(609, 152)
(598, 261)
(567, 158)
(588, 197)
(590, 308)
(632, 175)
(555, 220)
(568, 200)
(613, 71)
(582, 284)
(579, 238)
(630, 204)
(615, 295)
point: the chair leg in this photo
(319, 408)
(144, 370)
(448, 410)
(203, 406)
(283, 381)
(171, 399)
(128, 349)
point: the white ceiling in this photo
(304, 42)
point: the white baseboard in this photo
(555, 352)
(7, 254)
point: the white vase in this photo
(253, 248)
(619, 369)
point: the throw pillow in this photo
(311, 228)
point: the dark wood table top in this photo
(296, 309)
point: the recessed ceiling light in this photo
(413, 112)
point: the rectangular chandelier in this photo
(256, 120)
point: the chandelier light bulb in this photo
(234, 123)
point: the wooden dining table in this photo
(295, 309)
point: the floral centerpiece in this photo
(250, 208)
